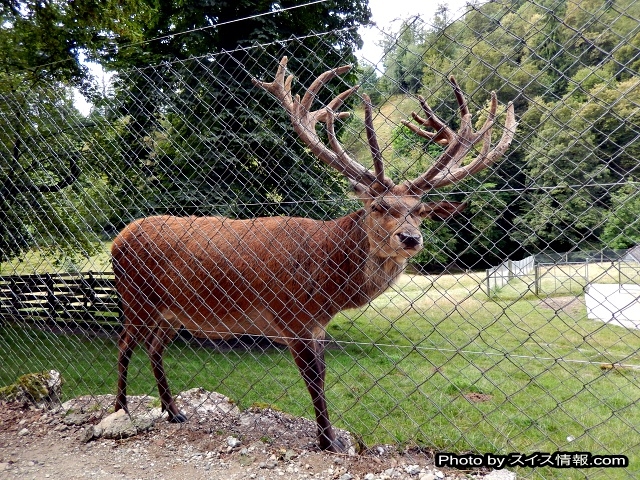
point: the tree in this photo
(74, 171)
(48, 196)
(571, 69)
(403, 58)
(622, 226)
(200, 139)
(45, 198)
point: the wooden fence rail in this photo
(87, 299)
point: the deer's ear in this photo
(362, 192)
(441, 210)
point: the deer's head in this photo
(394, 211)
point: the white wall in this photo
(615, 304)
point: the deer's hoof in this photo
(177, 418)
(334, 445)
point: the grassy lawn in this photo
(432, 362)
(37, 262)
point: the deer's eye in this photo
(416, 212)
(380, 207)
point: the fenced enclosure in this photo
(502, 274)
(435, 360)
(555, 274)
(558, 278)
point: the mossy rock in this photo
(38, 388)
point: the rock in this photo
(233, 442)
(42, 389)
(500, 475)
(269, 465)
(412, 469)
(346, 476)
(24, 432)
(147, 421)
(200, 402)
(88, 434)
(428, 476)
(77, 419)
(369, 476)
(117, 425)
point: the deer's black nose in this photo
(410, 240)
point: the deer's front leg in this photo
(309, 357)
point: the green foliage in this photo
(40, 152)
(199, 137)
(571, 69)
(622, 227)
(186, 132)
(402, 60)
(173, 138)
(369, 83)
(49, 197)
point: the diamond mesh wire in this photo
(446, 357)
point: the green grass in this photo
(404, 371)
(38, 262)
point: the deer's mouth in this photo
(408, 252)
(409, 243)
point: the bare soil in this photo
(568, 304)
(264, 444)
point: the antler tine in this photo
(486, 157)
(442, 135)
(279, 88)
(447, 169)
(462, 102)
(328, 116)
(304, 121)
(378, 162)
(320, 82)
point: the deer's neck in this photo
(370, 275)
(380, 274)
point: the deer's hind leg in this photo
(126, 344)
(135, 320)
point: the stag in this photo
(286, 277)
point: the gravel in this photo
(219, 442)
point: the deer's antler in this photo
(448, 168)
(304, 123)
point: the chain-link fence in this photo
(433, 360)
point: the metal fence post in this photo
(51, 298)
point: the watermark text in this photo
(537, 459)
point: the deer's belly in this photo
(214, 325)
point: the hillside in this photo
(386, 120)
